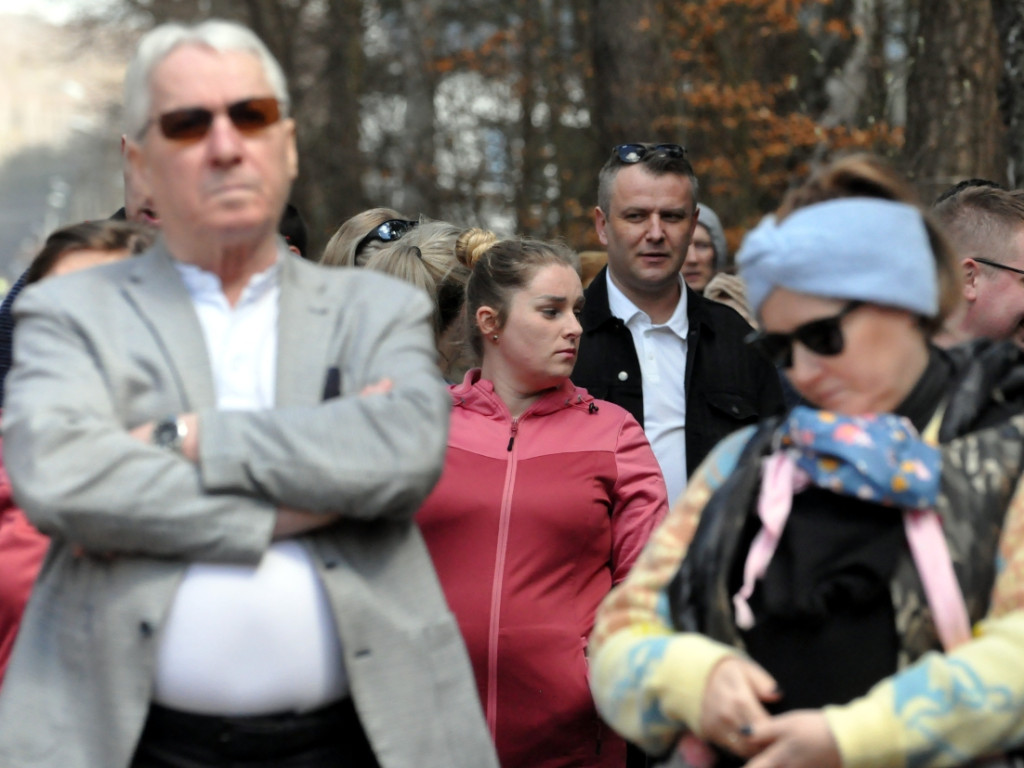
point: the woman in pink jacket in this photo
(546, 499)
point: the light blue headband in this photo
(857, 248)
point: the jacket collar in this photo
(596, 310)
(478, 395)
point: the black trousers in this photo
(331, 737)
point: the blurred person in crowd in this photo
(838, 586)
(434, 256)
(546, 499)
(986, 227)
(22, 547)
(674, 360)
(708, 252)
(362, 235)
(227, 445)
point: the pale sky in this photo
(54, 11)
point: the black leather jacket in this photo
(727, 386)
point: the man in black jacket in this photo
(672, 358)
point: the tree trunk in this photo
(629, 69)
(1009, 18)
(954, 130)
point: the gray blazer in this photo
(101, 351)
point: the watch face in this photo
(165, 434)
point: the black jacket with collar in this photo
(728, 385)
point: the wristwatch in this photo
(170, 433)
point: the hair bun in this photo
(473, 244)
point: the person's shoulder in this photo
(357, 284)
(721, 316)
(73, 288)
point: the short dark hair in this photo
(657, 163)
(293, 229)
(101, 235)
(960, 186)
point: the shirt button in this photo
(623, 375)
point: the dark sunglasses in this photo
(822, 337)
(388, 232)
(997, 265)
(192, 123)
(634, 153)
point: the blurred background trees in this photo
(499, 113)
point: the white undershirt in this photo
(239, 639)
(661, 350)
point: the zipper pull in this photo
(512, 437)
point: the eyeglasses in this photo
(822, 337)
(388, 232)
(634, 153)
(193, 123)
(997, 265)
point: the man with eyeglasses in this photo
(674, 359)
(227, 445)
(985, 224)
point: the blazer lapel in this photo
(156, 290)
(304, 335)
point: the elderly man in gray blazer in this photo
(227, 445)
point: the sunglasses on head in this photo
(822, 337)
(634, 153)
(388, 232)
(193, 123)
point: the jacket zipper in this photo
(504, 521)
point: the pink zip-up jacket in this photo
(533, 521)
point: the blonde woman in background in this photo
(362, 235)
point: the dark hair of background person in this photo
(863, 175)
(656, 163)
(960, 186)
(501, 270)
(293, 229)
(102, 235)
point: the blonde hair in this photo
(340, 250)
(864, 175)
(436, 257)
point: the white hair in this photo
(160, 42)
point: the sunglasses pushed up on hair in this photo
(635, 153)
(388, 232)
(822, 337)
(193, 123)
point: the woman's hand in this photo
(732, 704)
(799, 739)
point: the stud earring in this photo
(495, 337)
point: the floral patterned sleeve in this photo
(948, 708)
(648, 679)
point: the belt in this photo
(260, 737)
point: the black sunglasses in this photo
(634, 153)
(822, 337)
(192, 123)
(388, 232)
(997, 265)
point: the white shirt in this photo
(661, 350)
(240, 639)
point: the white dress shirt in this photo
(661, 350)
(239, 639)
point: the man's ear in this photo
(600, 224)
(971, 270)
(487, 321)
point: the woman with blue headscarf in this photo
(839, 586)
